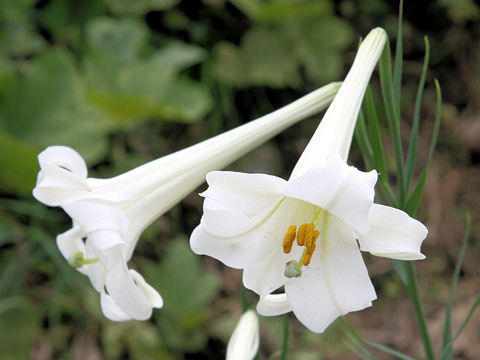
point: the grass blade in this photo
(463, 324)
(356, 340)
(415, 197)
(373, 126)
(412, 150)
(363, 143)
(447, 335)
(387, 350)
(397, 75)
(393, 124)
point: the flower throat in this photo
(306, 236)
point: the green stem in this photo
(286, 335)
(418, 306)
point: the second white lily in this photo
(109, 215)
(302, 234)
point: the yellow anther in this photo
(311, 238)
(301, 234)
(289, 238)
(306, 236)
(307, 256)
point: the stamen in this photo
(303, 233)
(307, 256)
(307, 236)
(310, 241)
(289, 238)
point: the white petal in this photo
(56, 186)
(393, 234)
(335, 132)
(338, 188)
(273, 304)
(96, 271)
(125, 293)
(150, 293)
(70, 242)
(243, 344)
(237, 252)
(111, 310)
(336, 281)
(249, 194)
(251, 246)
(92, 216)
(64, 157)
(62, 176)
(236, 202)
(268, 275)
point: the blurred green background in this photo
(124, 82)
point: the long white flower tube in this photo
(109, 215)
(245, 339)
(302, 234)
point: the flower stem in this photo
(286, 334)
(412, 284)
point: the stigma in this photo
(306, 236)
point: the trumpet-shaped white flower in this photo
(109, 215)
(244, 342)
(302, 234)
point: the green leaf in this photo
(18, 165)
(65, 19)
(149, 88)
(119, 39)
(185, 287)
(44, 105)
(412, 149)
(268, 59)
(139, 7)
(363, 141)
(397, 75)
(447, 352)
(282, 11)
(393, 119)
(319, 46)
(415, 197)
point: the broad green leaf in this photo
(44, 105)
(319, 45)
(184, 285)
(66, 19)
(18, 165)
(263, 59)
(139, 7)
(280, 11)
(268, 58)
(119, 39)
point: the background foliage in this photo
(124, 82)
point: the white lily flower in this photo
(244, 342)
(109, 215)
(251, 221)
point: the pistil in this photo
(77, 260)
